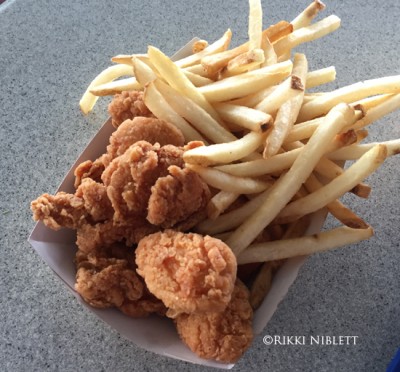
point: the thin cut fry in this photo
(224, 152)
(199, 46)
(287, 113)
(144, 74)
(225, 182)
(195, 114)
(324, 241)
(218, 46)
(246, 83)
(116, 86)
(111, 73)
(320, 77)
(348, 94)
(357, 172)
(284, 189)
(307, 15)
(245, 117)
(219, 203)
(306, 34)
(243, 62)
(162, 110)
(255, 24)
(178, 80)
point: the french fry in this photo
(343, 183)
(232, 219)
(126, 59)
(245, 117)
(307, 15)
(354, 152)
(224, 152)
(246, 83)
(255, 24)
(111, 73)
(243, 62)
(178, 80)
(336, 208)
(117, 86)
(226, 182)
(348, 94)
(162, 110)
(196, 115)
(320, 77)
(287, 113)
(287, 185)
(199, 46)
(218, 46)
(144, 73)
(306, 34)
(306, 245)
(219, 203)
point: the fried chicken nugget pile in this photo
(127, 193)
(195, 277)
(133, 210)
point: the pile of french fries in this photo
(273, 151)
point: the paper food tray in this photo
(156, 334)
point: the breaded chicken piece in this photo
(180, 196)
(89, 205)
(128, 133)
(222, 336)
(129, 177)
(188, 272)
(107, 278)
(127, 105)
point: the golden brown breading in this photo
(127, 105)
(88, 205)
(222, 336)
(188, 272)
(180, 196)
(128, 133)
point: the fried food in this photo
(128, 133)
(107, 278)
(88, 205)
(223, 336)
(127, 105)
(190, 273)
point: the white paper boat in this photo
(156, 334)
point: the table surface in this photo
(49, 52)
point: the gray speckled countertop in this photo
(49, 52)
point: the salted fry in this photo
(287, 113)
(243, 62)
(306, 245)
(348, 94)
(199, 46)
(116, 86)
(306, 34)
(255, 24)
(219, 203)
(343, 183)
(226, 182)
(283, 190)
(178, 80)
(320, 77)
(126, 59)
(245, 117)
(354, 152)
(336, 208)
(144, 74)
(160, 108)
(196, 115)
(291, 87)
(224, 152)
(246, 83)
(307, 15)
(261, 285)
(111, 73)
(218, 46)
